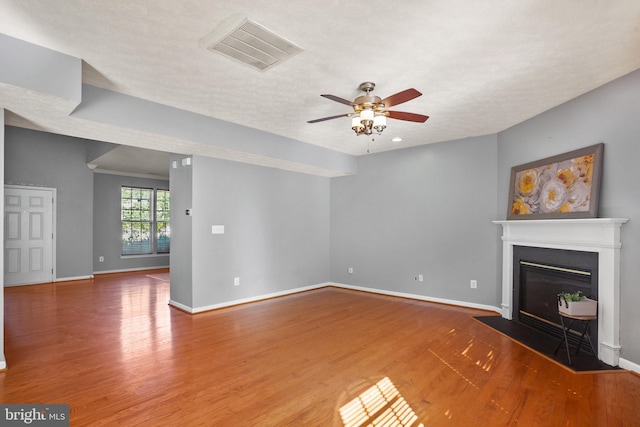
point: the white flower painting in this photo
(555, 188)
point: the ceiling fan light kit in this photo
(370, 112)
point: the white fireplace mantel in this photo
(601, 235)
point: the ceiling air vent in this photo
(243, 40)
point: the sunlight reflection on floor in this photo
(379, 405)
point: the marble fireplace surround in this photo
(601, 235)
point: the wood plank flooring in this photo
(114, 350)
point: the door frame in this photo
(54, 195)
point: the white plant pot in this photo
(586, 307)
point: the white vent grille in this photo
(249, 43)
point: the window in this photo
(144, 213)
(163, 231)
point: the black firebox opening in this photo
(539, 274)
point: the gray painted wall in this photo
(276, 230)
(609, 114)
(424, 210)
(48, 160)
(99, 148)
(181, 186)
(104, 106)
(39, 69)
(107, 228)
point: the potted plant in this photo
(576, 304)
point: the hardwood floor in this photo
(114, 350)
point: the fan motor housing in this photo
(367, 101)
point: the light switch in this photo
(217, 229)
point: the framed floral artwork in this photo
(562, 186)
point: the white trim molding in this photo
(225, 304)
(629, 365)
(69, 279)
(196, 310)
(125, 270)
(600, 235)
(417, 297)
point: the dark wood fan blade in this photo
(328, 118)
(400, 97)
(408, 117)
(338, 99)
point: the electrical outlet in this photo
(236, 281)
(474, 284)
(101, 259)
(350, 270)
(420, 278)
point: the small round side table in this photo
(586, 324)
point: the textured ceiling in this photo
(482, 66)
(132, 160)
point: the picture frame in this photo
(563, 186)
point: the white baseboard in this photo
(418, 297)
(125, 270)
(245, 300)
(628, 365)
(181, 306)
(3, 363)
(69, 279)
(337, 285)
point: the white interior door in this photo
(28, 234)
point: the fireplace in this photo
(539, 274)
(600, 236)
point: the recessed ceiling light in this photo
(396, 139)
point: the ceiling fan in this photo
(370, 112)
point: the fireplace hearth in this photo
(600, 236)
